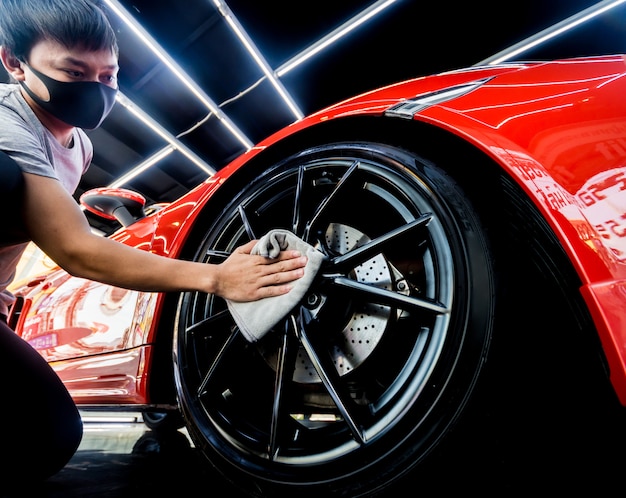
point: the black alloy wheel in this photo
(364, 377)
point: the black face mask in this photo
(84, 104)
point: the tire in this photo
(370, 371)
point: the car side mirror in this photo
(125, 206)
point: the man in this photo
(63, 56)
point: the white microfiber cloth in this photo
(256, 318)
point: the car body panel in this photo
(558, 128)
(582, 124)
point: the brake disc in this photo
(365, 324)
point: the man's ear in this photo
(12, 64)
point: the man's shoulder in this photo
(8, 90)
(14, 111)
(10, 97)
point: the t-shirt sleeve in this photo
(20, 142)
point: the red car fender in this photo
(585, 207)
(601, 266)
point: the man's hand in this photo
(247, 277)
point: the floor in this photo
(120, 457)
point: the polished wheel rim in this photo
(337, 375)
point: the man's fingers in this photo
(283, 272)
(288, 264)
(285, 276)
(276, 290)
(287, 255)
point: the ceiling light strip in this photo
(551, 32)
(334, 35)
(249, 45)
(141, 167)
(141, 33)
(163, 133)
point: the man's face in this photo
(63, 64)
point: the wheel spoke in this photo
(246, 222)
(202, 330)
(355, 257)
(218, 357)
(375, 294)
(210, 324)
(327, 203)
(327, 372)
(284, 373)
(217, 254)
(298, 202)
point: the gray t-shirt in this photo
(34, 148)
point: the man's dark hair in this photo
(72, 23)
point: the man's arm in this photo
(58, 226)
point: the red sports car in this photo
(456, 211)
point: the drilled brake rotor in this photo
(351, 344)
